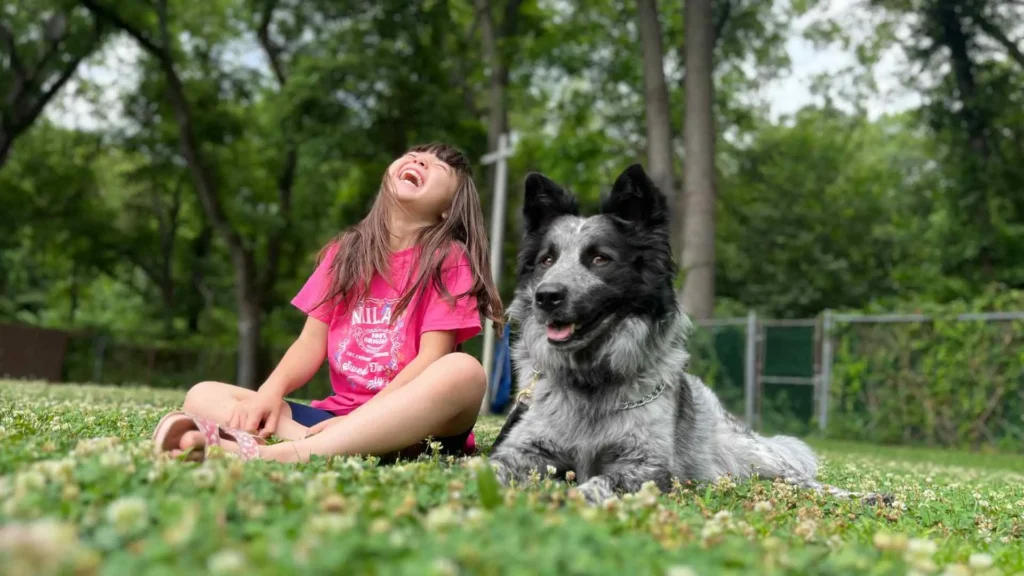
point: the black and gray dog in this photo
(603, 344)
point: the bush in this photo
(944, 382)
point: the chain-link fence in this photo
(909, 379)
(763, 369)
(954, 380)
(945, 381)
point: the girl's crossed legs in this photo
(442, 402)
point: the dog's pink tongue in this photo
(559, 333)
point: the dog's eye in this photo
(598, 260)
(547, 261)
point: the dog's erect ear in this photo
(635, 198)
(545, 201)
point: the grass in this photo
(81, 492)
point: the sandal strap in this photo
(208, 427)
(247, 445)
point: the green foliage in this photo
(825, 212)
(82, 492)
(943, 383)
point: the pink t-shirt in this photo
(366, 347)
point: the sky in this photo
(114, 69)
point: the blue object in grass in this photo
(501, 374)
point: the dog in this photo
(603, 347)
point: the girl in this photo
(389, 302)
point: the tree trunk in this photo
(948, 15)
(659, 121)
(5, 146)
(497, 114)
(250, 316)
(698, 297)
(954, 37)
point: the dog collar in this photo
(528, 392)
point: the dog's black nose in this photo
(550, 296)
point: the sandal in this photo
(174, 425)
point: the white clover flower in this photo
(680, 571)
(380, 526)
(29, 481)
(956, 570)
(806, 529)
(128, 515)
(114, 459)
(763, 506)
(711, 529)
(552, 470)
(41, 546)
(442, 517)
(353, 463)
(323, 524)
(397, 539)
(204, 477)
(322, 484)
(226, 562)
(980, 561)
(920, 550)
(444, 567)
(70, 492)
(475, 463)
(181, 532)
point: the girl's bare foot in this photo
(179, 433)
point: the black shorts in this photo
(452, 445)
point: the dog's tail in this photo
(796, 453)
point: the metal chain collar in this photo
(528, 391)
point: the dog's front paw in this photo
(501, 472)
(595, 491)
(874, 499)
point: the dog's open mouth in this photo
(560, 332)
(566, 332)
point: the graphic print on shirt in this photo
(369, 351)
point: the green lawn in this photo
(82, 492)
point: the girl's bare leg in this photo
(444, 400)
(216, 400)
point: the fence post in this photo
(826, 370)
(750, 368)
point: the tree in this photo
(971, 58)
(660, 156)
(57, 231)
(42, 44)
(495, 39)
(829, 210)
(252, 281)
(698, 258)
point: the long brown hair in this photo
(365, 249)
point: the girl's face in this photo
(423, 184)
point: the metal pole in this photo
(826, 370)
(500, 157)
(750, 368)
